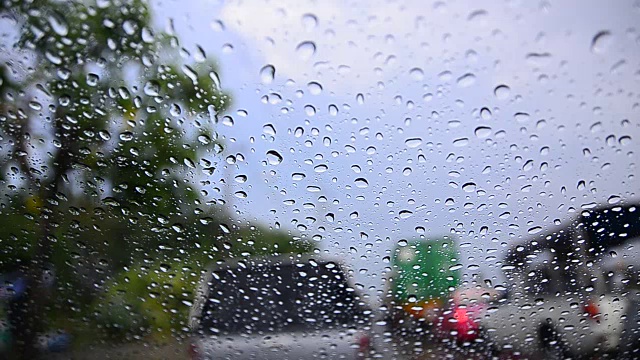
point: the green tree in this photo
(103, 122)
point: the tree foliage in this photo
(103, 120)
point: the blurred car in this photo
(462, 321)
(565, 299)
(279, 308)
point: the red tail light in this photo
(364, 345)
(466, 327)
(194, 352)
(591, 309)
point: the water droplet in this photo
(306, 50)
(126, 136)
(179, 228)
(273, 157)
(614, 199)
(310, 110)
(104, 135)
(152, 88)
(404, 214)
(309, 21)
(538, 59)
(333, 110)
(625, 140)
(478, 16)
(502, 92)
(469, 187)
(466, 80)
(314, 88)
(416, 74)
(200, 55)
(298, 132)
(297, 176)
(413, 142)
(189, 163)
(269, 129)
(204, 139)
(267, 73)
(461, 142)
(227, 48)
(175, 110)
(241, 194)
(227, 120)
(92, 79)
(445, 76)
(485, 113)
(455, 267)
(241, 178)
(58, 25)
(483, 132)
(601, 42)
(534, 230)
(320, 168)
(596, 127)
(521, 117)
(361, 183)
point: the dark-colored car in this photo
(279, 308)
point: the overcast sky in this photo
(415, 118)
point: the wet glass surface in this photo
(319, 179)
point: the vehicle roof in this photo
(429, 240)
(283, 259)
(559, 236)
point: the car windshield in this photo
(280, 297)
(464, 175)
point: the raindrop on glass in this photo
(306, 50)
(466, 80)
(485, 113)
(416, 74)
(273, 157)
(601, 42)
(502, 92)
(469, 187)
(482, 132)
(267, 74)
(361, 183)
(314, 88)
(413, 142)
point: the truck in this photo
(424, 274)
(573, 290)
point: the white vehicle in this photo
(566, 297)
(279, 308)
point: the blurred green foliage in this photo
(106, 129)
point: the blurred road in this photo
(167, 351)
(403, 350)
